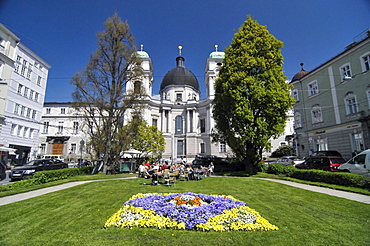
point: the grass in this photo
(76, 216)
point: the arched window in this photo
(137, 87)
(178, 125)
(351, 103)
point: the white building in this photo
(23, 103)
(185, 120)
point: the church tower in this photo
(213, 66)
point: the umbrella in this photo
(132, 151)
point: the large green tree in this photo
(101, 94)
(251, 94)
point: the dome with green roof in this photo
(217, 54)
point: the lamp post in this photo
(82, 143)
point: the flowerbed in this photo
(188, 211)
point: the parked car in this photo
(289, 160)
(326, 153)
(26, 171)
(326, 163)
(359, 164)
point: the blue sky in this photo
(63, 32)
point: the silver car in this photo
(289, 160)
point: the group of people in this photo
(157, 170)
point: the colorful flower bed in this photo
(188, 211)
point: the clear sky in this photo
(63, 32)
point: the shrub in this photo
(261, 167)
(337, 178)
(275, 168)
(289, 169)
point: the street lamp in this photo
(82, 143)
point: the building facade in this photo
(185, 120)
(332, 110)
(24, 99)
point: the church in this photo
(184, 118)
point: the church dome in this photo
(300, 74)
(142, 54)
(180, 76)
(217, 54)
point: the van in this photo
(359, 164)
(60, 157)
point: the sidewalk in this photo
(331, 192)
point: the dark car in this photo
(2, 171)
(26, 171)
(326, 163)
(326, 153)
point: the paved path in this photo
(343, 194)
(331, 192)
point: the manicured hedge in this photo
(337, 178)
(48, 176)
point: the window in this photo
(178, 125)
(202, 148)
(178, 96)
(28, 113)
(297, 120)
(23, 110)
(46, 127)
(25, 92)
(345, 71)
(365, 62)
(43, 148)
(24, 67)
(295, 95)
(31, 95)
(48, 110)
(357, 142)
(29, 71)
(73, 148)
(16, 108)
(25, 132)
(321, 144)
(19, 131)
(137, 87)
(17, 64)
(154, 122)
(62, 111)
(30, 135)
(316, 114)
(39, 80)
(12, 129)
(202, 125)
(351, 103)
(60, 127)
(19, 91)
(33, 114)
(75, 127)
(313, 88)
(222, 148)
(36, 97)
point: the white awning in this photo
(6, 149)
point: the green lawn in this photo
(76, 216)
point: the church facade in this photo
(185, 120)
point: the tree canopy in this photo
(253, 84)
(100, 92)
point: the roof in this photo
(180, 76)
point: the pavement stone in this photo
(331, 192)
